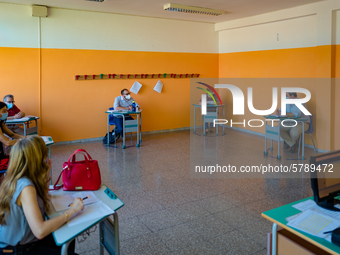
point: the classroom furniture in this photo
(290, 236)
(209, 117)
(25, 121)
(309, 131)
(64, 235)
(128, 125)
(272, 132)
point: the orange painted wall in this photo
(311, 62)
(19, 75)
(73, 110)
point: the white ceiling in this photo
(154, 8)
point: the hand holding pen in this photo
(81, 199)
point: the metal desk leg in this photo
(274, 238)
(194, 119)
(203, 124)
(223, 117)
(24, 128)
(137, 130)
(65, 247)
(124, 134)
(303, 140)
(140, 128)
(108, 130)
(278, 141)
(265, 138)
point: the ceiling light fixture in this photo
(192, 9)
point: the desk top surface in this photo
(279, 215)
(22, 120)
(285, 117)
(123, 112)
(66, 233)
(209, 105)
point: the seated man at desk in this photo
(123, 102)
(13, 113)
(290, 135)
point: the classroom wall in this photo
(301, 42)
(80, 42)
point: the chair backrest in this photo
(310, 129)
(111, 108)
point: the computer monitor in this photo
(326, 179)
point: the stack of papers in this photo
(314, 219)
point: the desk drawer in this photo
(290, 244)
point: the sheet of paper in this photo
(314, 223)
(90, 212)
(61, 203)
(305, 205)
(135, 87)
(158, 87)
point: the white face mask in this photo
(127, 97)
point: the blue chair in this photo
(112, 118)
(308, 131)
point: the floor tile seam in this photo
(244, 235)
(180, 223)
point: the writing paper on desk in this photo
(158, 87)
(311, 205)
(61, 202)
(314, 223)
(91, 212)
(136, 87)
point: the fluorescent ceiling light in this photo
(192, 9)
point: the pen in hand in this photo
(327, 232)
(82, 199)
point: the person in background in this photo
(123, 102)
(24, 199)
(13, 111)
(290, 135)
(5, 133)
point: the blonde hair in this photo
(27, 159)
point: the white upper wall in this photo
(292, 33)
(17, 26)
(72, 29)
(304, 26)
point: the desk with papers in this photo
(306, 220)
(104, 204)
(25, 121)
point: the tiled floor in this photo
(167, 212)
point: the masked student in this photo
(5, 135)
(13, 113)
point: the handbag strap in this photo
(84, 153)
(55, 185)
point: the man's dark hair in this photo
(292, 94)
(9, 95)
(2, 105)
(123, 91)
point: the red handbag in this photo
(80, 175)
